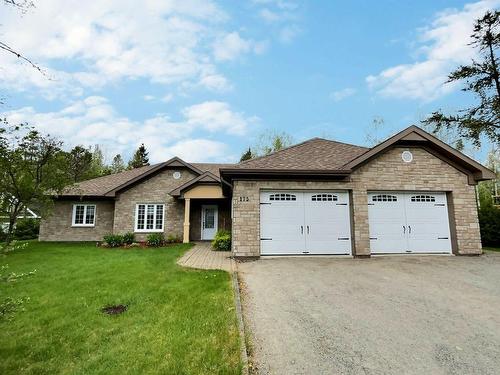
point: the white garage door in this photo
(414, 222)
(293, 223)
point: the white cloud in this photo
(216, 82)
(167, 98)
(443, 45)
(148, 98)
(166, 42)
(283, 15)
(94, 120)
(232, 45)
(339, 95)
(270, 16)
(199, 150)
(216, 116)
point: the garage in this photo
(408, 222)
(305, 223)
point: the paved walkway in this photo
(203, 257)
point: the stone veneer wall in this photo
(153, 190)
(56, 226)
(386, 172)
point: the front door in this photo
(209, 218)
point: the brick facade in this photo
(57, 225)
(386, 172)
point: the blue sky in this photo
(202, 79)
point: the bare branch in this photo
(5, 47)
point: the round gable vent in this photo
(176, 175)
(407, 156)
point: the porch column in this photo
(187, 208)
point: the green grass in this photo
(178, 321)
(487, 248)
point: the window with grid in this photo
(149, 217)
(423, 198)
(83, 215)
(384, 198)
(324, 198)
(282, 197)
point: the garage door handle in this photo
(308, 229)
(301, 229)
(404, 229)
(409, 229)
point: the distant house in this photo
(27, 214)
(409, 194)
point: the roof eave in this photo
(231, 173)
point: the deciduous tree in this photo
(32, 166)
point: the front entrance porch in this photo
(206, 208)
(205, 217)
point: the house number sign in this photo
(243, 199)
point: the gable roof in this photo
(322, 158)
(316, 157)
(207, 178)
(313, 154)
(108, 186)
(415, 135)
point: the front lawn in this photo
(487, 248)
(178, 321)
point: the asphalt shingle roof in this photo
(314, 154)
(101, 185)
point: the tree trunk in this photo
(12, 222)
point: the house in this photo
(409, 194)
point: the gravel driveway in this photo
(385, 315)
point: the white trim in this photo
(85, 205)
(136, 218)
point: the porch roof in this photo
(205, 179)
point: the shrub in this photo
(113, 240)
(26, 229)
(222, 241)
(3, 234)
(128, 238)
(489, 222)
(173, 238)
(155, 239)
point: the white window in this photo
(83, 215)
(149, 217)
(384, 198)
(423, 198)
(324, 197)
(282, 197)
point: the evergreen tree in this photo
(140, 158)
(247, 155)
(482, 78)
(117, 165)
(79, 163)
(99, 168)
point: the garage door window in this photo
(423, 198)
(324, 197)
(384, 198)
(282, 197)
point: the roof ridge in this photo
(296, 145)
